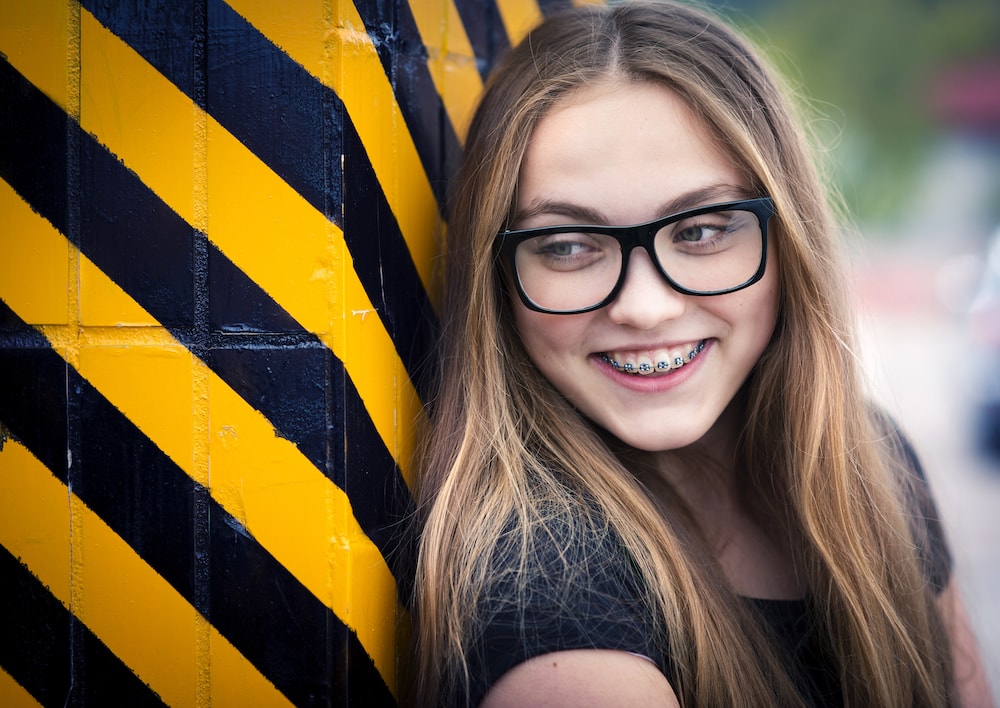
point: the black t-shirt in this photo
(600, 605)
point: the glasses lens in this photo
(564, 272)
(706, 254)
(712, 252)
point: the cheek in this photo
(763, 313)
(548, 337)
(751, 317)
(531, 327)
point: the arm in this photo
(583, 678)
(971, 685)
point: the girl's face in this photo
(626, 154)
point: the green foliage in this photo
(866, 69)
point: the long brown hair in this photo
(506, 450)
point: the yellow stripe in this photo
(340, 54)
(42, 285)
(518, 16)
(122, 100)
(299, 257)
(297, 514)
(304, 520)
(35, 523)
(38, 33)
(268, 230)
(450, 59)
(100, 308)
(90, 570)
(13, 695)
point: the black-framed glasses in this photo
(574, 268)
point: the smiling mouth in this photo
(655, 361)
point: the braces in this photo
(660, 365)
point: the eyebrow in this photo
(574, 212)
(578, 214)
(711, 194)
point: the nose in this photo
(646, 299)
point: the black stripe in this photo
(381, 504)
(254, 601)
(292, 130)
(296, 126)
(128, 481)
(32, 130)
(238, 305)
(164, 33)
(95, 450)
(263, 369)
(409, 319)
(485, 30)
(550, 7)
(136, 239)
(401, 50)
(315, 388)
(265, 99)
(139, 242)
(53, 655)
(279, 625)
(34, 394)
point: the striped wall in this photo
(217, 232)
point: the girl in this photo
(653, 477)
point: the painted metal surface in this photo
(218, 224)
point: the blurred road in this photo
(914, 348)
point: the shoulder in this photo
(562, 586)
(918, 501)
(583, 678)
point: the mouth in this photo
(654, 361)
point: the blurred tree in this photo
(865, 68)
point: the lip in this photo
(653, 383)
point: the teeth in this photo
(660, 360)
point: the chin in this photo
(659, 440)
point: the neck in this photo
(753, 552)
(704, 474)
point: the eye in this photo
(567, 251)
(708, 233)
(697, 233)
(563, 247)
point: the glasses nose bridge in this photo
(641, 236)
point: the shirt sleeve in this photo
(932, 545)
(575, 589)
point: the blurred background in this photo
(903, 98)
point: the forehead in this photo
(622, 148)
